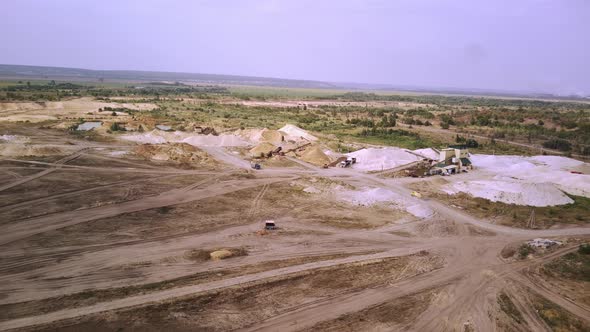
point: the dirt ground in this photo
(98, 237)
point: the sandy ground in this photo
(43, 111)
(93, 240)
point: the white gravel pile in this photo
(86, 126)
(296, 133)
(373, 196)
(512, 192)
(14, 139)
(160, 137)
(376, 159)
(538, 169)
(428, 153)
(531, 181)
(211, 140)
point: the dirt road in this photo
(37, 269)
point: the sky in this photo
(505, 45)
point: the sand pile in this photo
(251, 135)
(24, 150)
(272, 136)
(177, 152)
(314, 155)
(212, 140)
(428, 153)
(510, 192)
(152, 137)
(159, 137)
(262, 149)
(373, 196)
(220, 254)
(295, 133)
(14, 138)
(376, 159)
(538, 169)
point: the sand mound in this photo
(272, 136)
(538, 169)
(428, 153)
(24, 150)
(262, 149)
(227, 253)
(315, 155)
(176, 152)
(373, 196)
(158, 137)
(296, 133)
(14, 138)
(374, 159)
(531, 194)
(212, 140)
(220, 254)
(251, 135)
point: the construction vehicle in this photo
(416, 194)
(275, 152)
(347, 163)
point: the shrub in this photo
(525, 250)
(558, 144)
(584, 249)
(117, 127)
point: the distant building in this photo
(453, 159)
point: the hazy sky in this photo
(520, 45)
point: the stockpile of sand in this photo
(252, 135)
(153, 137)
(159, 137)
(14, 138)
(512, 192)
(262, 149)
(538, 169)
(25, 150)
(315, 155)
(212, 140)
(373, 196)
(272, 136)
(177, 152)
(374, 159)
(428, 153)
(295, 133)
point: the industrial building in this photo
(453, 159)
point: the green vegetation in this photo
(117, 127)
(508, 307)
(397, 137)
(560, 125)
(525, 250)
(584, 249)
(557, 318)
(573, 266)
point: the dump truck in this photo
(347, 163)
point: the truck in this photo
(347, 163)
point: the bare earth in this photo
(93, 241)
